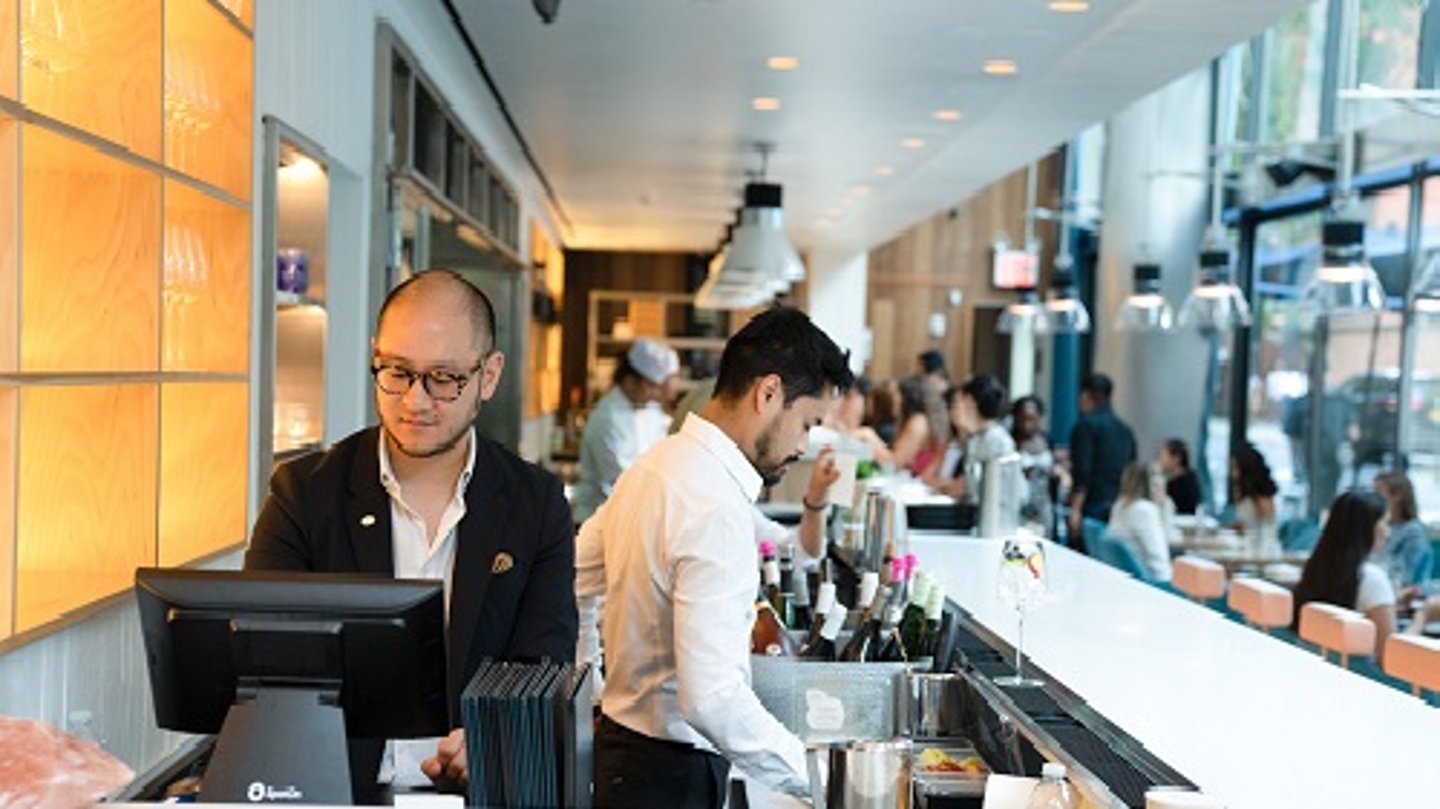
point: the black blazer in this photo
(315, 520)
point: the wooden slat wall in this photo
(911, 276)
(587, 270)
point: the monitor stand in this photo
(281, 745)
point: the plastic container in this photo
(1053, 792)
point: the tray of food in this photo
(942, 767)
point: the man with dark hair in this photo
(424, 496)
(932, 364)
(625, 422)
(673, 551)
(1100, 447)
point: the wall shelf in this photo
(124, 367)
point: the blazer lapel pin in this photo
(367, 521)
(503, 562)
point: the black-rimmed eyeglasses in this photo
(442, 386)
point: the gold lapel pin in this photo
(503, 562)
(368, 520)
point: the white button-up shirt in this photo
(673, 551)
(616, 433)
(416, 557)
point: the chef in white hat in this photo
(625, 422)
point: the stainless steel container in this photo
(863, 775)
(1002, 490)
(932, 705)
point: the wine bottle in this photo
(770, 580)
(865, 643)
(912, 620)
(787, 568)
(802, 614)
(823, 647)
(934, 608)
(824, 601)
(893, 650)
(768, 635)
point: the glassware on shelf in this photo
(52, 35)
(1021, 583)
(187, 273)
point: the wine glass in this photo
(1020, 583)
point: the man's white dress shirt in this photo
(416, 557)
(673, 551)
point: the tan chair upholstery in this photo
(1199, 578)
(1336, 629)
(1414, 659)
(1263, 604)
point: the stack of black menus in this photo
(528, 734)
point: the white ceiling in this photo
(639, 111)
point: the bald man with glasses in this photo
(423, 495)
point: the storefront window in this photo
(1422, 445)
(1295, 75)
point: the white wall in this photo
(837, 285)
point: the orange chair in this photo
(1198, 578)
(1264, 605)
(1337, 629)
(1414, 659)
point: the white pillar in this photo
(837, 297)
(1022, 361)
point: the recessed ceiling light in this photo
(782, 62)
(1069, 6)
(765, 103)
(913, 143)
(884, 171)
(1001, 67)
(860, 189)
(946, 115)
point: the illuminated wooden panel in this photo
(86, 506)
(8, 430)
(209, 68)
(95, 64)
(9, 246)
(9, 45)
(203, 456)
(91, 252)
(206, 288)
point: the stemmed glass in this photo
(1020, 583)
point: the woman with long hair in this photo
(1137, 519)
(1182, 485)
(924, 425)
(1252, 492)
(1407, 544)
(1339, 571)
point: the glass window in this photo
(1423, 441)
(1294, 76)
(1389, 46)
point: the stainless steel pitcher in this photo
(863, 775)
(1002, 491)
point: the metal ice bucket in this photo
(863, 775)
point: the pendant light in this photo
(1064, 309)
(1027, 312)
(1066, 312)
(1344, 281)
(1215, 302)
(1145, 309)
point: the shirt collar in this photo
(392, 485)
(718, 443)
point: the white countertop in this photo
(1249, 718)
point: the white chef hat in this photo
(653, 360)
